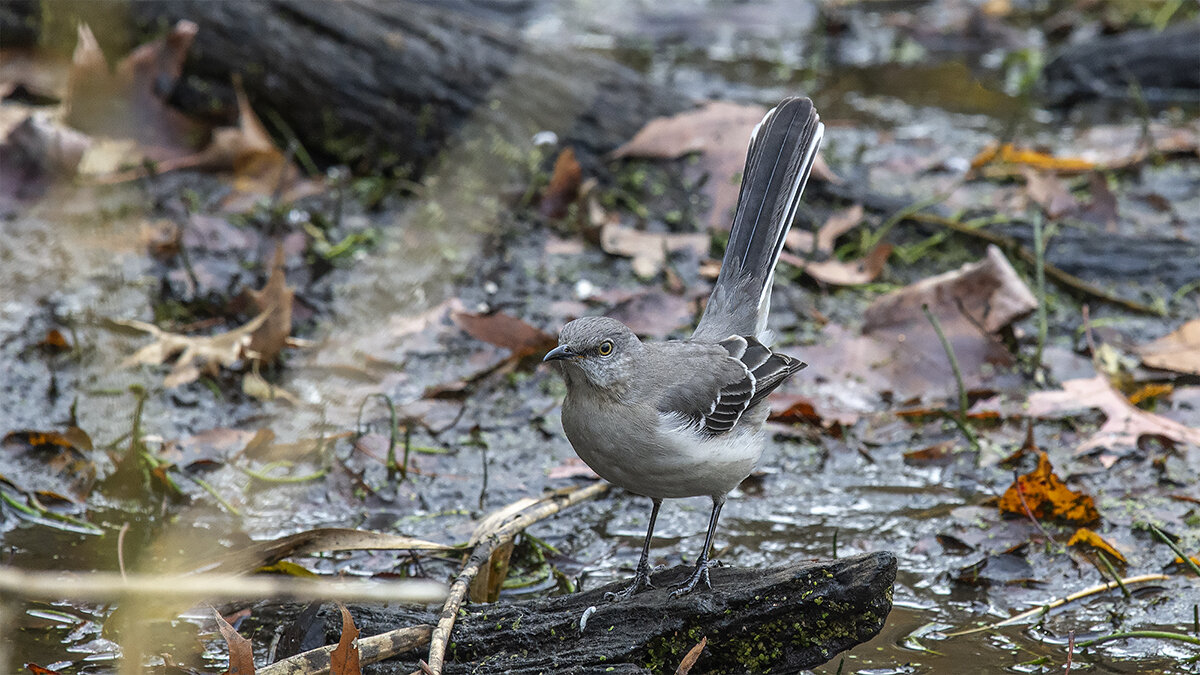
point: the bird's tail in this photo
(782, 150)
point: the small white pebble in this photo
(958, 164)
(584, 289)
(490, 288)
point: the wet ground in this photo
(896, 106)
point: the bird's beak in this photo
(559, 353)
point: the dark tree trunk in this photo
(384, 83)
(778, 620)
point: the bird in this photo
(684, 418)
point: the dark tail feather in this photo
(782, 150)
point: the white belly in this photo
(672, 463)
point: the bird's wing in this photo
(720, 388)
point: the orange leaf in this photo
(1007, 154)
(1047, 496)
(343, 660)
(1085, 536)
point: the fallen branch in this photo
(370, 650)
(501, 532)
(1044, 609)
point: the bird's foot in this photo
(700, 574)
(641, 581)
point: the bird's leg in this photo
(701, 571)
(641, 578)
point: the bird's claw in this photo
(641, 581)
(700, 574)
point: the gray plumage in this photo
(684, 418)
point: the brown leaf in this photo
(898, 350)
(564, 185)
(654, 314)
(1047, 496)
(343, 660)
(1084, 536)
(275, 298)
(38, 670)
(1049, 192)
(507, 332)
(129, 103)
(1178, 351)
(1102, 209)
(1125, 423)
(838, 273)
(241, 655)
(938, 454)
(571, 467)
(689, 659)
(839, 222)
(649, 250)
(718, 130)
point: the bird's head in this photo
(598, 348)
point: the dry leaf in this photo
(1047, 496)
(1124, 423)
(654, 313)
(199, 354)
(720, 132)
(938, 454)
(343, 660)
(1006, 160)
(129, 103)
(1122, 146)
(507, 332)
(689, 659)
(1178, 351)
(572, 467)
(1049, 192)
(275, 299)
(838, 273)
(1084, 536)
(564, 185)
(898, 350)
(648, 250)
(241, 655)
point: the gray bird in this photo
(684, 418)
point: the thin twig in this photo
(1113, 571)
(961, 418)
(1070, 650)
(121, 550)
(488, 542)
(1054, 272)
(1044, 609)
(1039, 254)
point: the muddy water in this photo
(77, 259)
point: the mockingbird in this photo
(684, 418)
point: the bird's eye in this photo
(605, 348)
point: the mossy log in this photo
(387, 83)
(777, 620)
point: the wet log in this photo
(778, 620)
(1162, 65)
(388, 83)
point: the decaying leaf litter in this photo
(467, 408)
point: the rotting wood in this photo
(776, 620)
(388, 83)
(503, 532)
